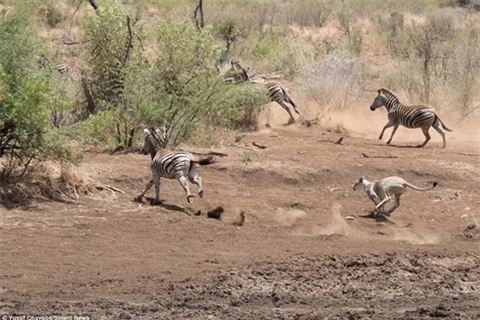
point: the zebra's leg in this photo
(184, 184)
(156, 181)
(284, 106)
(395, 205)
(427, 137)
(140, 197)
(393, 132)
(289, 100)
(438, 127)
(388, 125)
(197, 180)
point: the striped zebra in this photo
(416, 116)
(276, 93)
(171, 165)
(61, 68)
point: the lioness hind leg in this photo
(395, 205)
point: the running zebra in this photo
(417, 116)
(171, 165)
(276, 92)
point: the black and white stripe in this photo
(62, 68)
(276, 93)
(414, 116)
(171, 165)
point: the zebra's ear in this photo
(379, 91)
(146, 131)
(361, 179)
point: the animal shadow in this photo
(377, 218)
(171, 207)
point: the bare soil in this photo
(294, 257)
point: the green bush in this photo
(27, 98)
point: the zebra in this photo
(415, 116)
(171, 165)
(61, 68)
(276, 93)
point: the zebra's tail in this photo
(443, 124)
(205, 161)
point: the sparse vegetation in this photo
(144, 63)
(249, 156)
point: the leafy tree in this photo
(182, 88)
(112, 39)
(26, 98)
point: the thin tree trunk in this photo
(199, 9)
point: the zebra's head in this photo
(379, 100)
(154, 141)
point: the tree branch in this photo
(199, 9)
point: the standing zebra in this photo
(276, 93)
(416, 116)
(171, 165)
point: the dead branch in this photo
(102, 187)
(241, 147)
(383, 157)
(339, 141)
(210, 153)
(70, 42)
(259, 145)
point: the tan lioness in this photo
(381, 191)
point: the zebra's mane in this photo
(388, 95)
(158, 142)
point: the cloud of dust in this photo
(337, 223)
(288, 217)
(411, 237)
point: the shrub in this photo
(334, 82)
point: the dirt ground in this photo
(295, 257)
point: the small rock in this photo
(349, 218)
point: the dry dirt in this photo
(295, 257)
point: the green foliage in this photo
(183, 90)
(97, 129)
(27, 97)
(274, 54)
(109, 47)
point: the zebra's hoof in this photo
(201, 194)
(190, 198)
(155, 202)
(137, 199)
